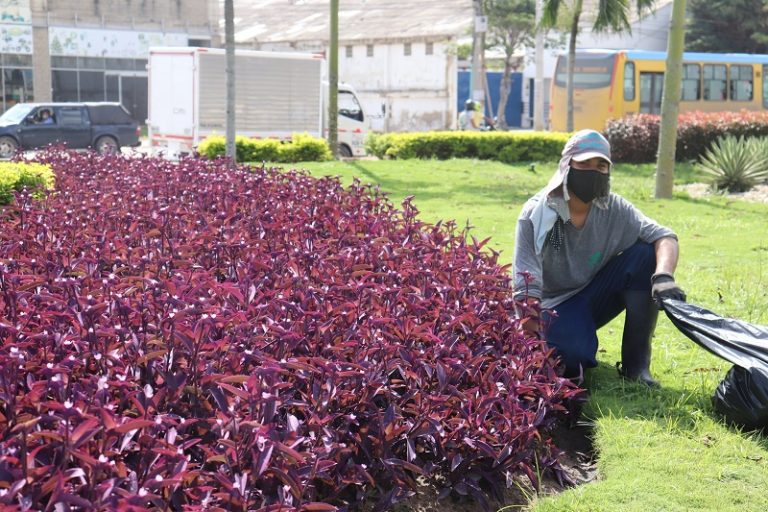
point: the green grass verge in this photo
(659, 450)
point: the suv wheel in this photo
(8, 147)
(107, 146)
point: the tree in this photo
(665, 168)
(229, 43)
(611, 15)
(728, 26)
(333, 81)
(510, 25)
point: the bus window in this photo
(714, 82)
(741, 83)
(589, 72)
(629, 81)
(765, 86)
(691, 89)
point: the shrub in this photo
(302, 148)
(183, 336)
(15, 176)
(509, 147)
(635, 139)
(736, 164)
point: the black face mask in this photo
(588, 184)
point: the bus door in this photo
(651, 85)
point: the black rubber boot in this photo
(639, 324)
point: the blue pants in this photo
(572, 330)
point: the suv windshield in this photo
(16, 114)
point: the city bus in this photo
(609, 84)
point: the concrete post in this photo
(42, 88)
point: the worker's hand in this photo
(663, 286)
(531, 322)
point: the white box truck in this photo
(277, 94)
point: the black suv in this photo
(104, 127)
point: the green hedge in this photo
(635, 138)
(508, 147)
(15, 176)
(302, 148)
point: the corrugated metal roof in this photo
(308, 20)
(589, 12)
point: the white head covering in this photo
(582, 146)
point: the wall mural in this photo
(15, 39)
(15, 11)
(109, 43)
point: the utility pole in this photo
(229, 42)
(333, 82)
(476, 90)
(538, 81)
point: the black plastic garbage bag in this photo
(742, 396)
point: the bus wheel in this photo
(8, 147)
(344, 151)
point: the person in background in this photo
(584, 255)
(469, 118)
(45, 117)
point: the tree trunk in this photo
(572, 61)
(229, 43)
(333, 82)
(504, 89)
(538, 82)
(670, 102)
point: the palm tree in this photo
(611, 15)
(670, 103)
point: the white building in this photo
(399, 55)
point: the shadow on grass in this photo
(673, 408)
(504, 192)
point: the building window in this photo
(16, 86)
(91, 85)
(349, 51)
(64, 85)
(199, 42)
(714, 82)
(407, 49)
(369, 50)
(741, 83)
(429, 49)
(691, 86)
(629, 81)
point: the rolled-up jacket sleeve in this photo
(526, 262)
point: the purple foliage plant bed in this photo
(182, 336)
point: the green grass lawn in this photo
(659, 450)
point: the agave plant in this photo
(736, 164)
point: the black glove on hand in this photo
(663, 286)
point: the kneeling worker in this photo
(585, 255)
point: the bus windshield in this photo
(590, 71)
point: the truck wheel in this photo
(8, 147)
(344, 151)
(107, 145)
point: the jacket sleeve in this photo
(527, 276)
